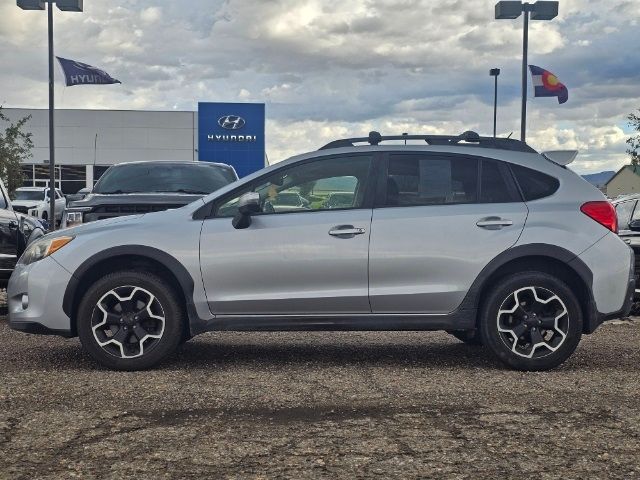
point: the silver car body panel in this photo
(44, 283)
(287, 264)
(424, 259)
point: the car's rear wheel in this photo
(531, 321)
(130, 320)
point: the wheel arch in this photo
(123, 258)
(546, 258)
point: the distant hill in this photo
(599, 179)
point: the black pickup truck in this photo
(16, 231)
(143, 187)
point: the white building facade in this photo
(89, 141)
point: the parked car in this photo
(16, 232)
(287, 201)
(628, 213)
(144, 187)
(478, 236)
(79, 195)
(339, 200)
(34, 201)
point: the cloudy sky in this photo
(329, 68)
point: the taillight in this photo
(603, 213)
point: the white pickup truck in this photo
(34, 201)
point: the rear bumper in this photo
(613, 288)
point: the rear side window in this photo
(534, 184)
(623, 211)
(496, 184)
(416, 180)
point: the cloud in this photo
(329, 68)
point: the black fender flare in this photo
(184, 279)
(473, 298)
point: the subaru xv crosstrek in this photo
(482, 237)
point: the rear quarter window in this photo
(534, 184)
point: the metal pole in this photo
(52, 149)
(495, 105)
(525, 47)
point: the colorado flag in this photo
(546, 84)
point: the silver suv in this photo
(484, 238)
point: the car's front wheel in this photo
(130, 320)
(531, 321)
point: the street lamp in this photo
(494, 72)
(67, 6)
(540, 10)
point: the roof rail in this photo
(466, 138)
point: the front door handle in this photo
(346, 230)
(493, 223)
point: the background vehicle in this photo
(339, 200)
(628, 213)
(285, 201)
(482, 237)
(34, 201)
(79, 195)
(16, 231)
(144, 187)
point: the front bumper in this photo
(43, 283)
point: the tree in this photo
(634, 141)
(15, 147)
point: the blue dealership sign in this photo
(232, 133)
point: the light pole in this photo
(68, 6)
(494, 72)
(540, 10)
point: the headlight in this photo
(72, 218)
(43, 248)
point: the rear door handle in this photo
(493, 223)
(346, 230)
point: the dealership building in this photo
(89, 141)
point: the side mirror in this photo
(248, 204)
(634, 225)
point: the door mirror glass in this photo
(248, 204)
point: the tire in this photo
(139, 322)
(470, 337)
(518, 336)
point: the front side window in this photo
(418, 180)
(336, 182)
(623, 211)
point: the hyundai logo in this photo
(231, 122)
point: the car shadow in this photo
(209, 354)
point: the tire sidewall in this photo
(174, 318)
(508, 285)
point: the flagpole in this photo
(52, 148)
(525, 48)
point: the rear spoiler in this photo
(561, 157)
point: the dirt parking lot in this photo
(320, 405)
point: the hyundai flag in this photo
(78, 73)
(546, 84)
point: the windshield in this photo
(193, 178)
(29, 195)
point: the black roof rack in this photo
(467, 138)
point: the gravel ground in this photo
(320, 405)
